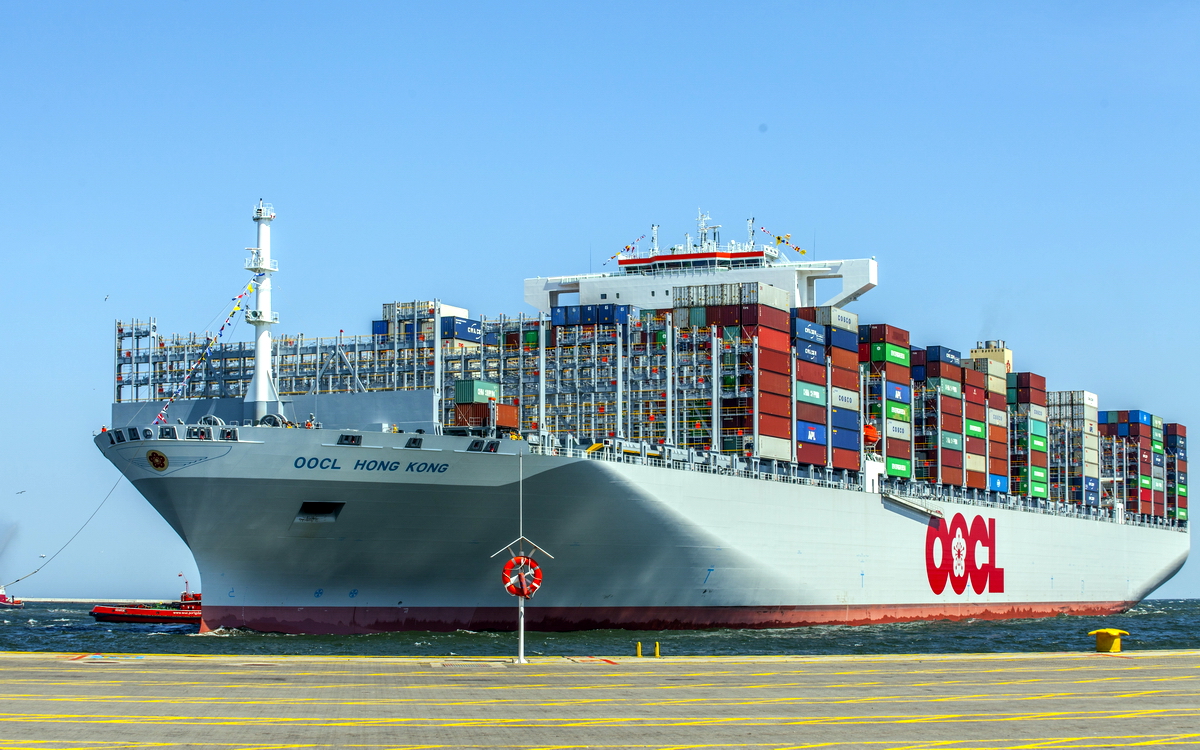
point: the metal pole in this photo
(521, 631)
(521, 535)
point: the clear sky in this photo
(1021, 170)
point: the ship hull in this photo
(633, 545)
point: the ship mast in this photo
(261, 396)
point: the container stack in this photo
(811, 394)
(1132, 433)
(889, 394)
(1029, 432)
(1176, 453)
(1074, 446)
(994, 360)
(975, 433)
(938, 415)
(770, 327)
(476, 404)
(845, 401)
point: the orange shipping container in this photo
(847, 360)
(845, 459)
(772, 426)
(847, 379)
(952, 475)
(772, 403)
(773, 382)
(977, 479)
(998, 434)
(774, 361)
(998, 466)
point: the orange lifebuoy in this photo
(522, 577)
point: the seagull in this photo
(41, 555)
(106, 298)
(22, 492)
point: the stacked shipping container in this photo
(1029, 473)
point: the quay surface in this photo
(992, 701)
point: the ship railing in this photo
(916, 491)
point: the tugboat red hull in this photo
(104, 613)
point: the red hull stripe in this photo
(339, 620)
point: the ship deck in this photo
(1061, 700)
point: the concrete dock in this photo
(50, 701)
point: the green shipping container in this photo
(1156, 422)
(1037, 427)
(898, 467)
(660, 337)
(531, 337)
(810, 394)
(975, 429)
(697, 316)
(1035, 473)
(475, 391)
(1156, 447)
(1037, 443)
(1010, 379)
(897, 355)
(1156, 434)
(1181, 490)
(952, 440)
(1158, 485)
(1181, 514)
(1144, 482)
(946, 387)
(1038, 490)
(895, 410)
(1012, 396)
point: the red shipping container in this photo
(1030, 396)
(774, 361)
(1173, 428)
(916, 357)
(951, 405)
(1038, 459)
(997, 401)
(1030, 380)
(809, 453)
(847, 379)
(974, 394)
(893, 373)
(772, 426)
(845, 459)
(976, 446)
(731, 315)
(762, 315)
(1108, 430)
(1138, 429)
(1122, 416)
(1181, 465)
(952, 459)
(810, 372)
(771, 403)
(1181, 502)
(943, 370)
(978, 412)
(740, 422)
(891, 334)
(773, 382)
(952, 475)
(769, 338)
(809, 412)
(807, 313)
(476, 415)
(998, 435)
(712, 315)
(864, 352)
(899, 449)
(843, 358)
(952, 423)
(1159, 496)
(974, 377)
(977, 479)
(998, 466)
(1146, 457)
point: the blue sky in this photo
(1023, 171)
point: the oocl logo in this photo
(962, 554)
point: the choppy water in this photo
(1160, 624)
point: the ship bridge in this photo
(645, 278)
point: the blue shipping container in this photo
(864, 334)
(558, 316)
(1123, 429)
(901, 393)
(1176, 441)
(462, 329)
(379, 327)
(841, 339)
(809, 352)
(1139, 416)
(918, 372)
(491, 339)
(574, 315)
(807, 432)
(846, 419)
(1091, 484)
(943, 354)
(997, 483)
(850, 440)
(1160, 459)
(1091, 498)
(587, 315)
(624, 313)
(803, 330)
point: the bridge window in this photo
(120, 436)
(133, 434)
(167, 433)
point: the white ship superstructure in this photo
(346, 485)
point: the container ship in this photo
(696, 438)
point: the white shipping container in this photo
(988, 366)
(1091, 456)
(971, 462)
(1091, 470)
(997, 417)
(844, 399)
(1091, 428)
(897, 430)
(997, 383)
(772, 447)
(758, 293)
(838, 318)
(1037, 412)
(1091, 441)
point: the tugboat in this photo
(186, 610)
(10, 602)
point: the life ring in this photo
(522, 577)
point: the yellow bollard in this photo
(639, 649)
(1108, 640)
(657, 653)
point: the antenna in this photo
(750, 230)
(654, 239)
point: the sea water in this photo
(1154, 624)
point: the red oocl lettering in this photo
(954, 554)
